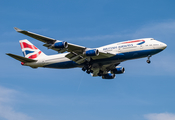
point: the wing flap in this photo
(73, 47)
(76, 57)
(106, 54)
(103, 55)
(20, 58)
(81, 60)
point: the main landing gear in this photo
(87, 68)
(100, 73)
(148, 61)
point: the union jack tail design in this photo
(29, 50)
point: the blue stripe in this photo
(141, 43)
(23, 54)
(27, 52)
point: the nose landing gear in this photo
(148, 61)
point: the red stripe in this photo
(35, 47)
(35, 55)
(25, 45)
(21, 45)
(133, 41)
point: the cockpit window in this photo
(152, 39)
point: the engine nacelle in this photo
(118, 70)
(108, 76)
(93, 52)
(60, 45)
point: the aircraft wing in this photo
(81, 58)
(76, 52)
(50, 41)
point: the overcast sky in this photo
(143, 92)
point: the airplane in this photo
(102, 61)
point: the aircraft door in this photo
(119, 49)
(141, 46)
(43, 62)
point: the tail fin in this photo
(29, 50)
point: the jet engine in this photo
(108, 76)
(93, 52)
(118, 70)
(60, 45)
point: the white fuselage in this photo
(122, 50)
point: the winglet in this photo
(17, 29)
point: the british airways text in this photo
(115, 47)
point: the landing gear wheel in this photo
(100, 73)
(88, 71)
(91, 71)
(148, 61)
(87, 67)
(83, 68)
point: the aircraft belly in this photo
(63, 65)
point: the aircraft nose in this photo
(163, 45)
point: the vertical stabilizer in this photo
(29, 50)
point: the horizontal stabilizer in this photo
(20, 58)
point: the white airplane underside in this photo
(102, 61)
